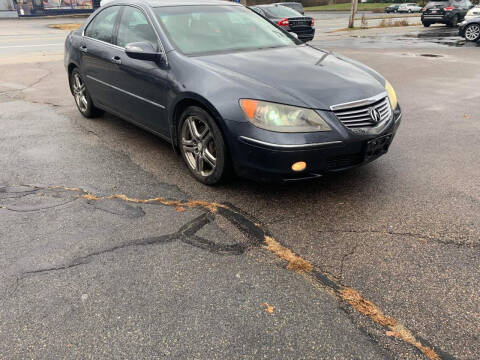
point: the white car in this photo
(105, 2)
(409, 8)
(473, 13)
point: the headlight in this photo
(282, 118)
(391, 94)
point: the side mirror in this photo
(294, 35)
(142, 51)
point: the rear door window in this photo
(102, 25)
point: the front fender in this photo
(184, 99)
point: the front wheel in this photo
(472, 32)
(202, 146)
(82, 97)
(426, 24)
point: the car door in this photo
(141, 85)
(98, 50)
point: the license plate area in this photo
(378, 146)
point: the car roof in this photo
(268, 5)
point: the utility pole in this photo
(351, 21)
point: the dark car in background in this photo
(392, 8)
(298, 7)
(470, 29)
(230, 90)
(449, 12)
(288, 19)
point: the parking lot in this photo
(110, 249)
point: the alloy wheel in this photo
(79, 92)
(199, 146)
(472, 33)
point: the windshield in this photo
(206, 29)
(280, 11)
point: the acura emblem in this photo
(375, 115)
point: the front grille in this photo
(343, 161)
(360, 116)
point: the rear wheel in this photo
(82, 97)
(472, 32)
(454, 22)
(202, 146)
(426, 24)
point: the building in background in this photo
(52, 7)
(7, 9)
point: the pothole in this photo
(431, 55)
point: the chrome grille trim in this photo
(354, 104)
(357, 114)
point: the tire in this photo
(472, 32)
(454, 21)
(203, 147)
(409, 11)
(426, 24)
(82, 97)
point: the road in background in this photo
(30, 39)
(327, 21)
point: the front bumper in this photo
(336, 150)
(461, 28)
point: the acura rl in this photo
(230, 90)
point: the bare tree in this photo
(353, 13)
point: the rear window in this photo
(280, 11)
(436, 3)
(294, 6)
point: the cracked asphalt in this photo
(109, 249)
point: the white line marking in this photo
(27, 46)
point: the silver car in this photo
(409, 8)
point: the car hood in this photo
(314, 77)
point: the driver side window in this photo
(134, 27)
(101, 27)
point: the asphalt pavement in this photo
(109, 249)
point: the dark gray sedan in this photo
(230, 90)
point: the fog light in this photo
(299, 166)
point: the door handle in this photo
(116, 60)
(83, 48)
